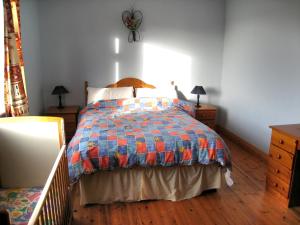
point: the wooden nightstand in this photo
(69, 113)
(207, 114)
(283, 175)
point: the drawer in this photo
(70, 127)
(285, 142)
(69, 137)
(209, 123)
(70, 132)
(69, 118)
(281, 156)
(206, 114)
(279, 171)
(276, 184)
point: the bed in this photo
(137, 149)
(34, 180)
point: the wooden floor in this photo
(246, 202)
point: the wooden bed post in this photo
(85, 92)
(4, 217)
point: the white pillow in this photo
(96, 94)
(121, 92)
(168, 92)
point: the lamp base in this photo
(198, 106)
(60, 106)
(198, 103)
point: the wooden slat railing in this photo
(54, 205)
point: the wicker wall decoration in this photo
(132, 19)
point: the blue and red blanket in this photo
(142, 132)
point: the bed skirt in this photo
(136, 184)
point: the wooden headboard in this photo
(125, 82)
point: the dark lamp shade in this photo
(198, 90)
(58, 90)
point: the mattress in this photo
(20, 203)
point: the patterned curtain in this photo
(15, 96)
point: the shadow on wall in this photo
(222, 112)
(180, 95)
(222, 116)
(212, 93)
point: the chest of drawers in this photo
(69, 114)
(283, 175)
(207, 114)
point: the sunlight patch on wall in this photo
(117, 51)
(117, 45)
(162, 65)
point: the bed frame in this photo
(96, 189)
(125, 82)
(54, 205)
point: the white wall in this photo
(77, 41)
(31, 50)
(261, 70)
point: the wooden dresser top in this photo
(65, 110)
(205, 107)
(292, 130)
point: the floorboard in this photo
(245, 203)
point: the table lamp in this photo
(198, 90)
(59, 90)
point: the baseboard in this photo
(241, 142)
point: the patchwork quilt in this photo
(20, 203)
(142, 132)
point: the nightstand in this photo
(69, 114)
(206, 114)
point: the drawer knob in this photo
(277, 171)
(275, 184)
(281, 142)
(278, 156)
